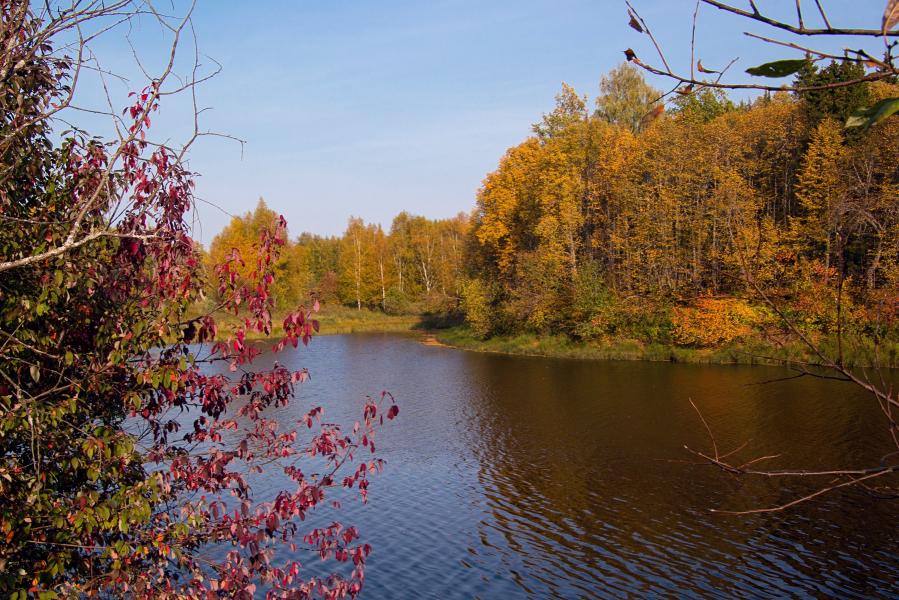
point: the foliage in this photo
(242, 234)
(477, 299)
(839, 206)
(415, 267)
(714, 322)
(594, 231)
(126, 430)
(704, 105)
(625, 98)
(597, 313)
(836, 103)
(630, 318)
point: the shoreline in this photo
(344, 321)
(751, 353)
(339, 322)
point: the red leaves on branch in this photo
(207, 430)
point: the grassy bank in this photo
(754, 352)
(341, 320)
(337, 320)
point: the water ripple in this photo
(534, 478)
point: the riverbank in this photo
(756, 352)
(337, 320)
(341, 320)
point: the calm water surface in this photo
(515, 477)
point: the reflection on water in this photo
(514, 477)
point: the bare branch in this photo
(851, 482)
(756, 15)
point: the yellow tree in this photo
(823, 194)
(242, 235)
(450, 246)
(653, 225)
(424, 251)
(570, 109)
(876, 184)
(507, 206)
(355, 264)
(236, 236)
(560, 197)
(380, 250)
(609, 153)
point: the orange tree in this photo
(124, 448)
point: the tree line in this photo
(662, 226)
(637, 220)
(413, 267)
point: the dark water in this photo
(513, 477)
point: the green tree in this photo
(321, 256)
(477, 306)
(625, 98)
(705, 105)
(570, 108)
(400, 242)
(838, 102)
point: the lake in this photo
(518, 477)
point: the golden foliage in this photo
(715, 322)
(711, 202)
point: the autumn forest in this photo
(621, 220)
(654, 354)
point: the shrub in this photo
(714, 322)
(477, 305)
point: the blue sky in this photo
(368, 108)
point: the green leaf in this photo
(35, 372)
(778, 68)
(873, 115)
